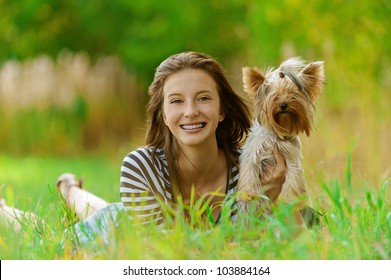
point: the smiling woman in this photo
(188, 150)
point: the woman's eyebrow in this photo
(204, 91)
(174, 94)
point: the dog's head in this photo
(284, 97)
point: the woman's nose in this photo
(191, 110)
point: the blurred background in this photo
(74, 74)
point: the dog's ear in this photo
(252, 80)
(313, 78)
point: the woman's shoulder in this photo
(146, 155)
(145, 168)
(146, 151)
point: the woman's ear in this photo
(164, 118)
(163, 114)
(221, 117)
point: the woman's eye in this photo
(175, 101)
(203, 98)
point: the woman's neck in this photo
(201, 166)
(197, 161)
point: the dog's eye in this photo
(282, 75)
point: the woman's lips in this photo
(193, 126)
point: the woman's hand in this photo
(274, 177)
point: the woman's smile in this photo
(193, 126)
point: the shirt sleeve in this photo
(139, 187)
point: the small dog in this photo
(82, 202)
(284, 107)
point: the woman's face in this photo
(191, 107)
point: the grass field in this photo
(358, 228)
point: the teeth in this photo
(193, 126)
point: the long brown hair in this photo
(230, 132)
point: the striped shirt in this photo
(145, 180)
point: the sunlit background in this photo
(74, 76)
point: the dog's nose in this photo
(283, 106)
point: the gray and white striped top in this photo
(145, 181)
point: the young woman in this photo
(195, 126)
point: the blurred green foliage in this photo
(142, 33)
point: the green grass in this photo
(26, 180)
(351, 228)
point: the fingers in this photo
(274, 176)
(280, 161)
(276, 170)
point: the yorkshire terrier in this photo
(283, 101)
